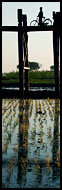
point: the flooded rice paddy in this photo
(30, 143)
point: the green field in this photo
(38, 77)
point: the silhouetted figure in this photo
(40, 15)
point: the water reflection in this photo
(55, 151)
(33, 128)
(38, 168)
(23, 141)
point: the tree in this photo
(32, 65)
(52, 68)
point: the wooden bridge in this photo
(22, 30)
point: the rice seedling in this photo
(24, 145)
(3, 112)
(41, 126)
(11, 164)
(20, 113)
(33, 137)
(6, 145)
(38, 167)
(21, 128)
(9, 136)
(39, 119)
(17, 120)
(26, 127)
(15, 148)
(14, 113)
(47, 161)
(35, 160)
(24, 118)
(37, 133)
(4, 119)
(5, 129)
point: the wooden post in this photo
(56, 55)
(26, 70)
(20, 46)
(26, 55)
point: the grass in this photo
(38, 77)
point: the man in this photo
(40, 15)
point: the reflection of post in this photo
(20, 140)
(55, 136)
(23, 142)
(20, 45)
(25, 54)
(56, 53)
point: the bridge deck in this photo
(28, 28)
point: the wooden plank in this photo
(26, 68)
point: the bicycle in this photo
(44, 22)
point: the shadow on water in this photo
(34, 167)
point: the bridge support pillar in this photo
(20, 46)
(56, 53)
(26, 56)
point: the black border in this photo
(1, 90)
(0, 94)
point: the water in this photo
(34, 88)
(30, 143)
(42, 88)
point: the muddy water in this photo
(30, 143)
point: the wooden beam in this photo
(28, 28)
(9, 28)
(39, 28)
(26, 68)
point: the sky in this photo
(40, 44)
